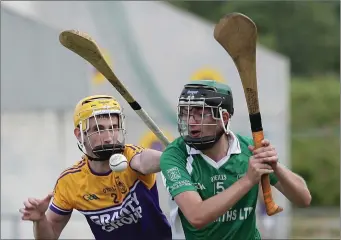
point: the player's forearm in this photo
(149, 161)
(212, 208)
(293, 186)
(43, 229)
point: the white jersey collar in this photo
(233, 149)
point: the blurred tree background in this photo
(308, 32)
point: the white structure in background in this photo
(154, 47)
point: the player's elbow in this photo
(198, 220)
(197, 224)
(305, 201)
(193, 208)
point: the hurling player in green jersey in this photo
(213, 174)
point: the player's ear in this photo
(226, 117)
(77, 133)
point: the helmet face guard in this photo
(201, 98)
(101, 134)
(116, 132)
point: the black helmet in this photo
(204, 94)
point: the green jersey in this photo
(187, 169)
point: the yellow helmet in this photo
(92, 106)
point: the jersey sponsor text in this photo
(180, 184)
(221, 177)
(235, 214)
(130, 213)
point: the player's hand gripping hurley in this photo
(86, 47)
(237, 34)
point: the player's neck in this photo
(219, 150)
(99, 167)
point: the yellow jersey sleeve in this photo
(129, 152)
(62, 198)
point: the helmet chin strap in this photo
(105, 154)
(205, 142)
(102, 153)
